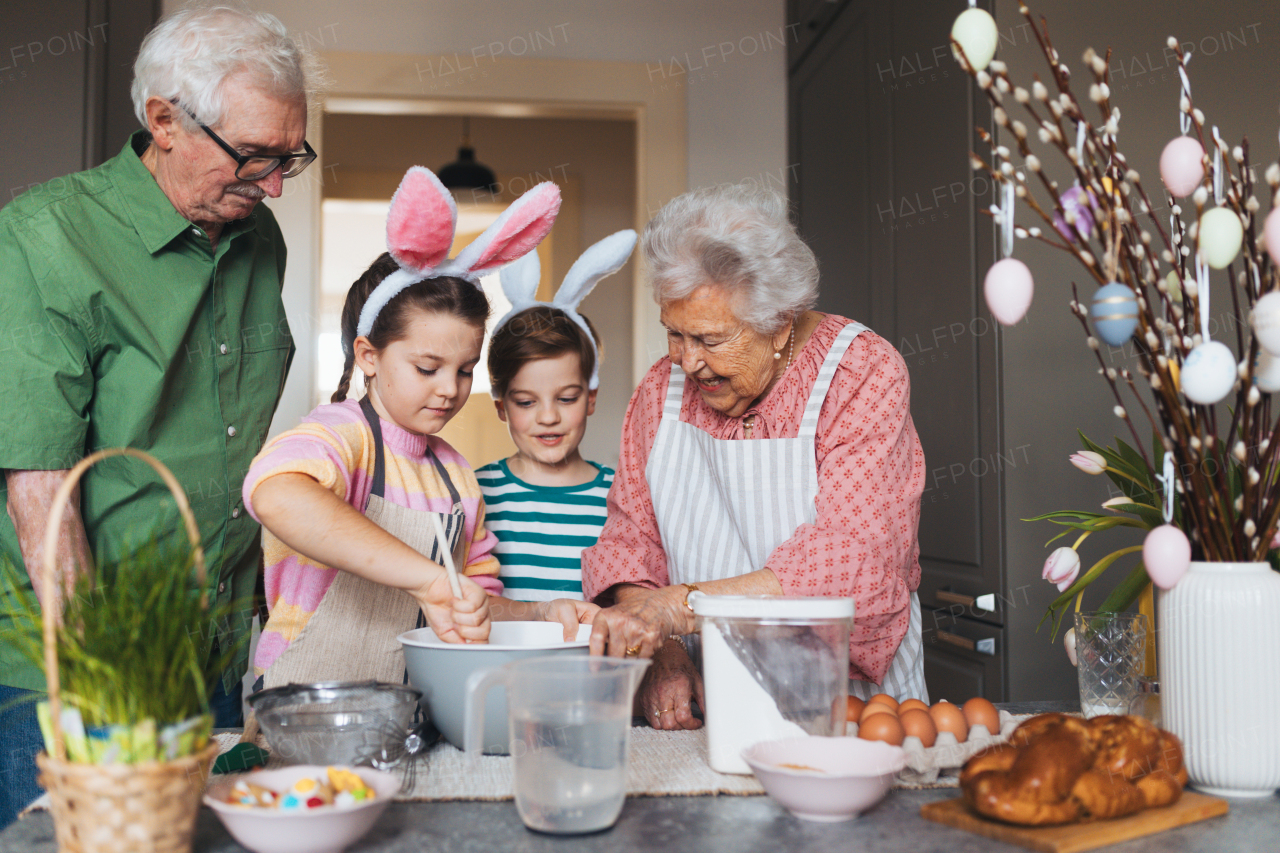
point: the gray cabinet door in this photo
(881, 120)
(65, 72)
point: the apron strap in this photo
(675, 394)
(379, 463)
(813, 406)
(444, 475)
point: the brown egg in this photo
(884, 699)
(874, 708)
(912, 703)
(853, 711)
(978, 711)
(949, 718)
(883, 727)
(919, 723)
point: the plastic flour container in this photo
(772, 667)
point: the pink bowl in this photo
(328, 829)
(831, 778)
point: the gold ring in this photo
(633, 651)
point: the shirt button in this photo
(222, 587)
(223, 349)
(235, 512)
(231, 431)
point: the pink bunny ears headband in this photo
(520, 284)
(420, 230)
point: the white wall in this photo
(737, 102)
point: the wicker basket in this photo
(117, 808)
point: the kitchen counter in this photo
(707, 824)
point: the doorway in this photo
(592, 160)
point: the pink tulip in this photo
(1089, 462)
(1275, 540)
(1062, 567)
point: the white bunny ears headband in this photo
(420, 230)
(520, 284)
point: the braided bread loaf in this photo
(1062, 769)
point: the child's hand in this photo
(456, 620)
(570, 613)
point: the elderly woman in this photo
(770, 453)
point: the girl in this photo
(546, 503)
(352, 557)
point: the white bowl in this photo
(328, 829)
(829, 778)
(440, 670)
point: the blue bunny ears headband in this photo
(520, 284)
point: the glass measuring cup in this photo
(569, 725)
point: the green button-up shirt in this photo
(121, 326)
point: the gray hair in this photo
(739, 237)
(189, 56)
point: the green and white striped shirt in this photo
(542, 530)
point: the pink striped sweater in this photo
(334, 445)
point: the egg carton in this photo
(947, 755)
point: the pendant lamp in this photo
(465, 173)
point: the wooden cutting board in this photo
(1072, 838)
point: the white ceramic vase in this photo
(1219, 647)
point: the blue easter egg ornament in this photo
(1115, 313)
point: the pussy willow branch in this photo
(1189, 431)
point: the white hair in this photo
(738, 237)
(189, 56)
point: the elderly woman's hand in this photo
(640, 621)
(668, 688)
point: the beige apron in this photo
(724, 506)
(352, 634)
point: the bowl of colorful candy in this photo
(303, 808)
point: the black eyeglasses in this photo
(255, 167)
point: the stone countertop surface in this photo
(705, 825)
(710, 824)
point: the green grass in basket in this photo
(134, 641)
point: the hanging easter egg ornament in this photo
(1182, 166)
(1220, 237)
(1208, 373)
(1266, 322)
(1166, 553)
(1115, 313)
(1008, 286)
(975, 31)
(1008, 289)
(1271, 234)
(1266, 372)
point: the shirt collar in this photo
(153, 216)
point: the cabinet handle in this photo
(981, 602)
(985, 646)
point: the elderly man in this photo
(140, 306)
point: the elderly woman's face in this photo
(729, 362)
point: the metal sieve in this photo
(343, 722)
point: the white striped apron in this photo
(723, 506)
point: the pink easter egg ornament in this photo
(1008, 289)
(1166, 553)
(1271, 234)
(1182, 166)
